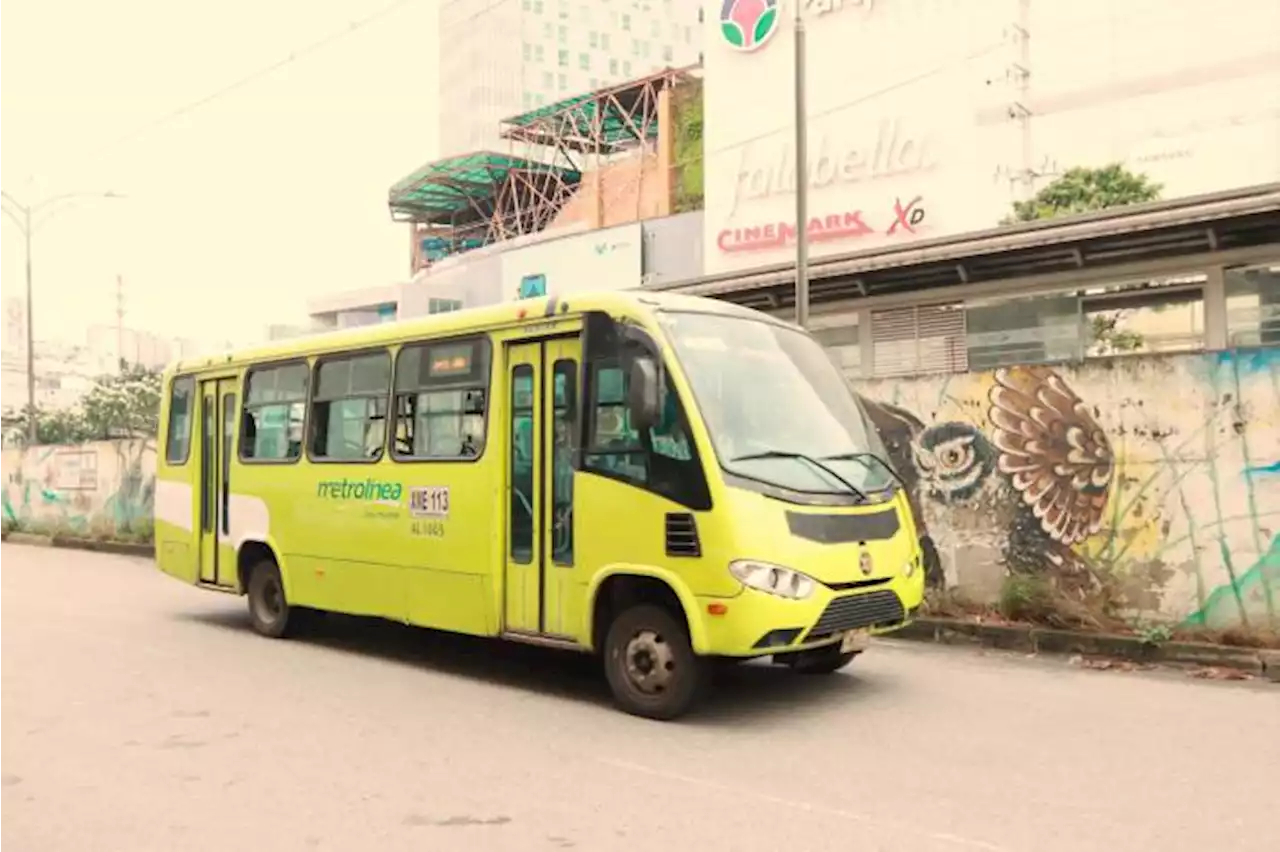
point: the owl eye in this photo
(954, 458)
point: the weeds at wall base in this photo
(1037, 602)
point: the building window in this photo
(178, 442)
(584, 61)
(546, 79)
(527, 50)
(563, 34)
(563, 82)
(843, 345)
(562, 57)
(604, 41)
(349, 409)
(441, 391)
(1253, 305)
(626, 22)
(593, 39)
(274, 412)
(1159, 315)
(667, 53)
(443, 306)
(613, 66)
(655, 28)
(1030, 330)
(626, 68)
(539, 54)
(537, 7)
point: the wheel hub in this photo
(650, 663)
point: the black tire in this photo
(269, 610)
(650, 664)
(821, 661)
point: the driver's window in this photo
(349, 409)
(661, 459)
(614, 442)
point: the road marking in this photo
(808, 807)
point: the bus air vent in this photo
(682, 535)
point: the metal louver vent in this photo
(682, 535)
(924, 339)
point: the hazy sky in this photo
(237, 212)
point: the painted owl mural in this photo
(1034, 473)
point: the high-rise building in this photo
(499, 58)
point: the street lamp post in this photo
(802, 175)
(22, 215)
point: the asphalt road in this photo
(139, 714)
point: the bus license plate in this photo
(855, 640)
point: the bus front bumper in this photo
(757, 624)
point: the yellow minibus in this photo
(664, 481)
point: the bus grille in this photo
(874, 609)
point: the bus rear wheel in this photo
(268, 608)
(650, 664)
(819, 661)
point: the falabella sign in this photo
(748, 25)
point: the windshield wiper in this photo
(782, 454)
(862, 458)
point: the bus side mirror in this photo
(642, 393)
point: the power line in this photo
(255, 76)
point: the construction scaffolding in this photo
(618, 139)
(597, 151)
(464, 202)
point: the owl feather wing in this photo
(1055, 454)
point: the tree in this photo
(1081, 190)
(126, 405)
(60, 426)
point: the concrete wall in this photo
(103, 488)
(1149, 483)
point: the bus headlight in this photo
(909, 570)
(773, 579)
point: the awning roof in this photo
(445, 191)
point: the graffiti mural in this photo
(104, 489)
(1148, 483)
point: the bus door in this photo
(543, 406)
(217, 445)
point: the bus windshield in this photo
(778, 410)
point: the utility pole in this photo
(120, 322)
(22, 215)
(802, 176)
(32, 425)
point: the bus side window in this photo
(272, 417)
(182, 392)
(441, 400)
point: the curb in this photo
(119, 548)
(1044, 640)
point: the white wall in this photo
(608, 259)
(919, 99)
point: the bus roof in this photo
(467, 320)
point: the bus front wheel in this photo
(650, 664)
(268, 608)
